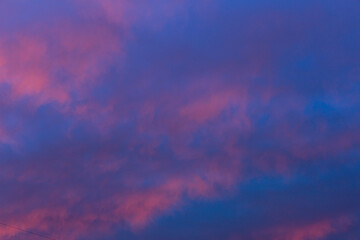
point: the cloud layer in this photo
(180, 119)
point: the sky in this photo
(179, 119)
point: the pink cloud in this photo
(315, 230)
(38, 64)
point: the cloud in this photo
(119, 116)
